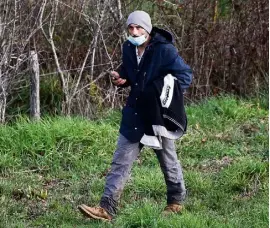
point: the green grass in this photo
(47, 168)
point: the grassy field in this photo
(49, 167)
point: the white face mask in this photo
(137, 41)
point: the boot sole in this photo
(87, 213)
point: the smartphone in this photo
(112, 75)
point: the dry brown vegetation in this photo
(77, 41)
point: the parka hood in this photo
(161, 36)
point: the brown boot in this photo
(95, 212)
(172, 208)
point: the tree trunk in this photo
(3, 98)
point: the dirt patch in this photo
(215, 165)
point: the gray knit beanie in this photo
(140, 18)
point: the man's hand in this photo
(116, 78)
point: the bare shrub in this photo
(78, 41)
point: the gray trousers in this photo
(124, 156)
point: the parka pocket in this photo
(129, 117)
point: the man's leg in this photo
(124, 156)
(123, 159)
(172, 171)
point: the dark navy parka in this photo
(159, 59)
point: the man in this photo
(148, 56)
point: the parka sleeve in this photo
(123, 74)
(176, 66)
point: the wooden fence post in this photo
(34, 86)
